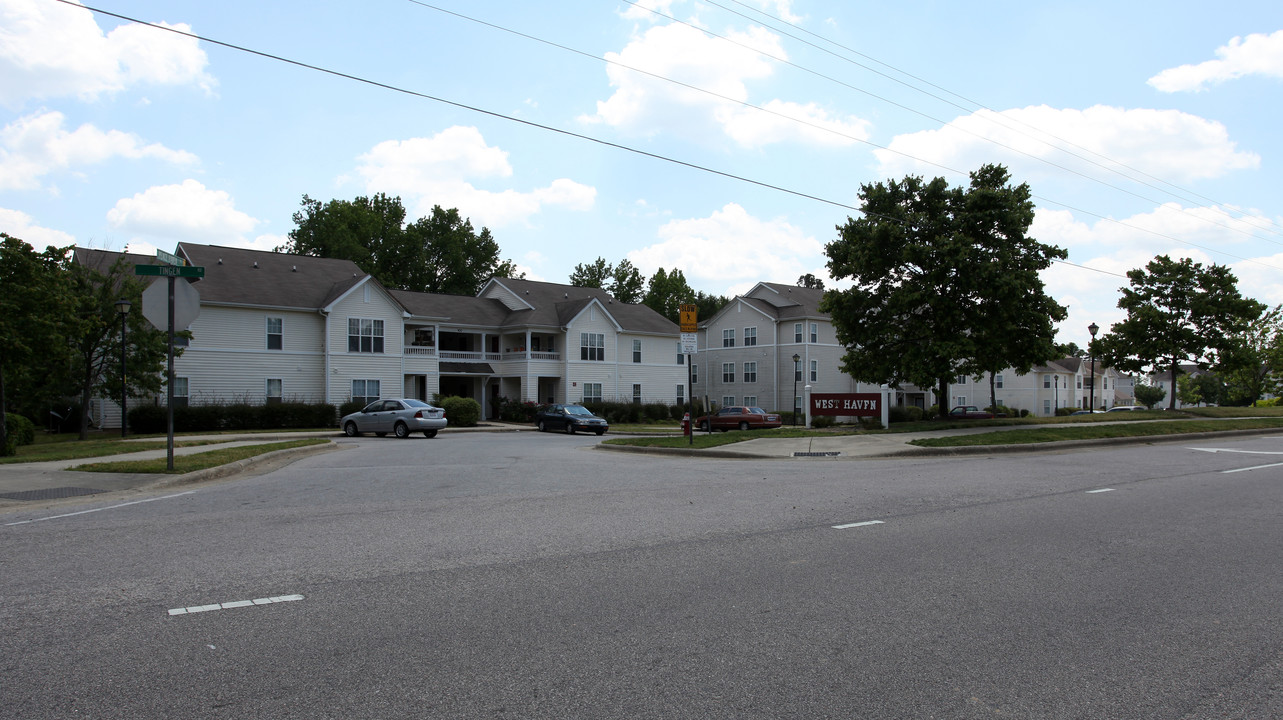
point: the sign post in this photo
(690, 341)
(167, 317)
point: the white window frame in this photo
(637, 351)
(637, 393)
(694, 373)
(797, 332)
(268, 397)
(728, 400)
(815, 333)
(368, 335)
(681, 394)
(750, 372)
(592, 347)
(365, 386)
(592, 392)
(728, 337)
(815, 371)
(750, 400)
(279, 335)
(750, 336)
(182, 391)
(997, 382)
(728, 372)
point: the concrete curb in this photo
(239, 466)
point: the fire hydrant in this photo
(686, 424)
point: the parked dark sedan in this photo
(570, 419)
(735, 417)
(969, 412)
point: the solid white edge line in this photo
(858, 524)
(234, 604)
(1258, 467)
(1093, 492)
(109, 507)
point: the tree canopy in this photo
(623, 281)
(440, 253)
(945, 282)
(667, 292)
(1178, 312)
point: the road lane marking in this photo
(1244, 452)
(94, 510)
(858, 524)
(1093, 492)
(1257, 467)
(234, 604)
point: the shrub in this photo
(516, 410)
(461, 411)
(18, 431)
(352, 406)
(822, 421)
(1065, 411)
(931, 413)
(903, 413)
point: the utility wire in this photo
(560, 131)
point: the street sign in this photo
(689, 343)
(156, 304)
(688, 317)
(169, 259)
(170, 271)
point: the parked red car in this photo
(738, 417)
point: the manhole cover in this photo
(816, 454)
(50, 493)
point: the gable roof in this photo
(780, 302)
(237, 276)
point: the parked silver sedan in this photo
(400, 417)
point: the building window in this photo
(637, 351)
(592, 392)
(180, 392)
(681, 356)
(637, 393)
(681, 394)
(797, 372)
(815, 333)
(750, 372)
(1046, 407)
(365, 391)
(1104, 383)
(1079, 379)
(728, 400)
(694, 373)
(275, 333)
(273, 391)
(728, 372)
(750, 400)
(750, 336)
(592, 346)
(997, 382)
(728, 337)
(962, 400)
(364, 335)
(815, 370)
(424, 337)
(797, 332)
(797, 404)
(1046, 381)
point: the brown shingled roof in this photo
(254, 277)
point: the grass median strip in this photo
(198, 461)
(1096, 432)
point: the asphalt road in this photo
(527, 576)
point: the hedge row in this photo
(18, 431)
(150, 419)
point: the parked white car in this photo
(400, 416)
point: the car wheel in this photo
(541, 427)
(600, 432)
(402, 430)
(704, 426)
(569, 428)
(743, 425)
(430, 433)
(350, 429)
(381, 434)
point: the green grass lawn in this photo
(197, 461)
(67, 447)
(1096, 431)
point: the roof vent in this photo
(294, 268)
(220, 261)
(565, 295)
(255, 263)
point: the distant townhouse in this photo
(276, 327)
(1059, 384)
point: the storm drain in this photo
(816, 454)
(50, 493)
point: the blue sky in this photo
(1142, 128)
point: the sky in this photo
(725, 138)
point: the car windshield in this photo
(577, 410)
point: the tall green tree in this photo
(810, 281)
(1255, 367)
(440, 253)
(34, 316)
(1149, 395)
(623, 281)
(945, 282)
(1178, 312)
(95, 340)
(594, 274)
(667, 292)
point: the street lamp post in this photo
(122, 307)
(797, 370)
(1091, 349)
(1056, 403)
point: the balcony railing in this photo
(462, 355)
(420, 351)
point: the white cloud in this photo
(641, 10)
(722, 70)
(21, 225)
(1258, 54)
(187, 212)
(1170, 144)
(36, 145)
(439, 170)
(730, 249)
(49, 49)
(1258, 279)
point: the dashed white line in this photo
(94, 510)
(234, 604)
(858, 524)
(1257, 467)
(1093, 492)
